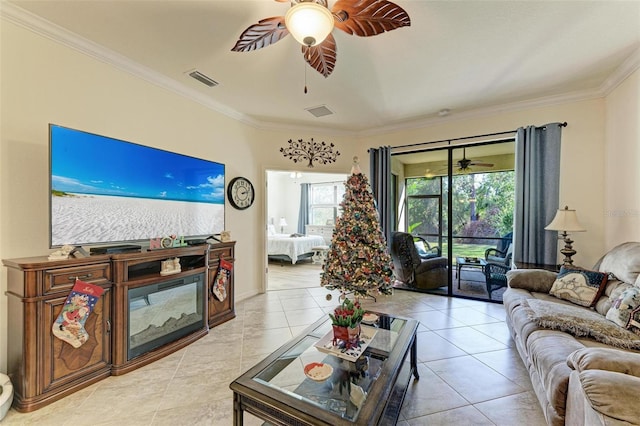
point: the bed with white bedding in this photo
(286, 247)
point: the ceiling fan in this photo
(311, 22)
(465, 163)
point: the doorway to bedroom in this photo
(301, 208)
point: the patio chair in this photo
(496, 276)
(499, 256)
(425, 251)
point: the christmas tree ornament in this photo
(69, 325)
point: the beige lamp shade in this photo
(565, 220)
(309, 23)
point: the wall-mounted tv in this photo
(105, 190)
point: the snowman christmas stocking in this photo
(222, 277)
(69, 326)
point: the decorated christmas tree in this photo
(358, 261)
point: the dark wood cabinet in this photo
(220, 311)
(66, 364)
(43, 368)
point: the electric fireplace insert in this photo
(163, 312)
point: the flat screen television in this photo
(105, 190)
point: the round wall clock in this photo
(240, 193)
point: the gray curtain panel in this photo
(380, 172)
(303, 213)
(537, 193)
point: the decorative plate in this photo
(369, 318)
(318, 371)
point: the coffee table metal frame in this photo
(280, 407)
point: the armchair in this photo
(412, 270)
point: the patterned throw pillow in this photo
(625, 310)
(579, 286)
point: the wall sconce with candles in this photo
(566, 221)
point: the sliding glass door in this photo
(465, 207)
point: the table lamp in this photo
(282, 224)
(566, 221)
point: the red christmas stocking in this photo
(222, 277)
(69, 326)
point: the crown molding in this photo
(61, 35)
(628, 67)
(546, 101)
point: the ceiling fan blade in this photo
(367, 18)
(266, 32)
(323, 56)
(481, 164)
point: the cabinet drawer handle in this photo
(80, 277)
(108, 326)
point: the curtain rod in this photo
(563, 124)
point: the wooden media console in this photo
(44, 369)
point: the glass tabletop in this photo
(345, 391)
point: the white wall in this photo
(621, 208)
(283, 195)
(283, 199)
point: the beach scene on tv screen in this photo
(106, 190)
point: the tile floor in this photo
(470, 373)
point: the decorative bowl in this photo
(318, 371)
(369, 318)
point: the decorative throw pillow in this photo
(579, 286)
(422, 249)
(625, 310)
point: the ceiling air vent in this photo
(319, 111)
(203, 78)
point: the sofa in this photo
(583, 355)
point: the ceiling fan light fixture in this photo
(309, 23)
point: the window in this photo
(324, 202)
(483, 204)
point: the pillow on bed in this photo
(271, 230)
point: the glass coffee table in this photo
(368, 389)
(463, 262)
